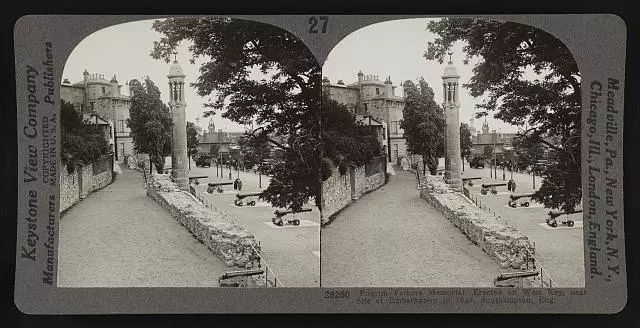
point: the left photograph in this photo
(190, 157)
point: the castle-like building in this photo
(371, 98)
(501, 142)
(225, 141)
(101, 99)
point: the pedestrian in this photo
(239, 184)
(513, 186)
(235, 184)
(509, 185)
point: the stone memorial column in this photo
(179, 158)
(451, 105)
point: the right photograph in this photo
(451, 157)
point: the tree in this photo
(423, 123)
(255, 150)
(285, 103)
(214, 149)
(345, 141)
(82, 143)
(509, 54)
(150, 122)
(465, 142)
(192, 141)
(488, 152)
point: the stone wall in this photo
(233, 244)
(84, 180)
(497, 237)
(69, 188)
(374, 182)
(85, 175)
(340, 190)
(101, 180)
(358, 178)
(336, 193)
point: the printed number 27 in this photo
(313, 24)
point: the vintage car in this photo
(477, 163)
(203, 160)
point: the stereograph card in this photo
(320, 163)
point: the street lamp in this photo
(495, 169)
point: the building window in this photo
(394, 126)
(377, 91)
(365, 107)
(120, 126)
(397, 152)
(121, 150)
(104, 90)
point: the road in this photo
(560, 250)
(393, 238)
(292, 252)
(119, 237)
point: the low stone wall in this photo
(497, 237)
(69, 188)
(84, 180)
(336, 193)
(101, 180)
(339, 190)
(85, 173)
(374, 182)
(234, 245)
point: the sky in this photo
(395, 49)
(124, 50)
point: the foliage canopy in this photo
(509, 54)
(150, 122)
(284, 104)
(423, 123)
(82, 143)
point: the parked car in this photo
(203, 160)
(477, 163)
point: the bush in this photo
(81, 143)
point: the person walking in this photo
(513, 186)
(509, 184)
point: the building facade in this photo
(227, 142)
(95, 95)
(486, 139)
(371, 97)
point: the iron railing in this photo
(531, 262)
(271, 279)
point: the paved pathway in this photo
(119, 237)
(392, 238)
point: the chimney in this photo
(115, 88)
(388, 86)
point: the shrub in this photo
(81, 143)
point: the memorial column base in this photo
(454, 183)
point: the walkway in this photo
(119, 237)
(392, 238)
